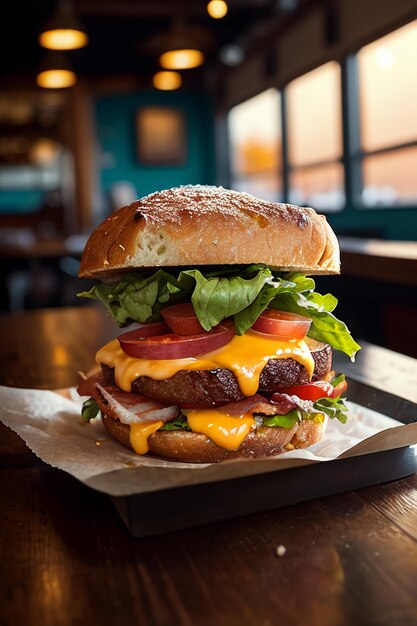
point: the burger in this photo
(224, 348)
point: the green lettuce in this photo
(89, 410)
(179, 423)
(283, 421)
(240, 292)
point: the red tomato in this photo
(182, 319)
(339, 389)
(171, 346)
(148, 330)
(310, 391)
(282, 324)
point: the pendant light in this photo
(63, 31)
(55, 72)
(181, 47)
(167, 81)
(217, 9)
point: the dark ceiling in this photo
(120, 29)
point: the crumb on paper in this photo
(281, 550)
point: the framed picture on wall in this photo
(161, 136)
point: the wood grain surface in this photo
(66, 558)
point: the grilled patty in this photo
(220, 386)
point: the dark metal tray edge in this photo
(183, 507)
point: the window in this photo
(255, 139)
(315, 139)
(388, 119)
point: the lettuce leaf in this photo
(138, 297)
(216, 298)
(178, 423)
(325, 326)
(333, 407)
(241, 292)
(89, 410)
(283, 421)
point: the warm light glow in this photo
(384, 58)
(217, 9)
(388, 90)
(256, 145)
(43, 151)
(181, 59)
(167, 81)
(56, 79)
(63, 39)
(315, 119)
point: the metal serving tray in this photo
(182, 507)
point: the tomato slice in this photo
(182, 320)
(310, 391)
(282, 324)
(172, 346)
(148, 330)
(339, 389)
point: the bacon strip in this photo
(129, 408)
(86, 386)
(283, 399)
(280, 404)
(257, 404)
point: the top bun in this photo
(200, 225)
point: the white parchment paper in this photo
(52, 427)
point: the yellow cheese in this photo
(140, 433)
(225, 430)
(245, 356)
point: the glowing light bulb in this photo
(63, 39)
(56, 79)
(167, 81)
(183, 59)
(217, 9)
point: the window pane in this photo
(388, 89)
(255, 136)
(267, 186)
(319, 187)
(315, 116)
(390, 179)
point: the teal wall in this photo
(116, 135)
(14, 202)
(400, 224)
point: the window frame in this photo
(353, 154)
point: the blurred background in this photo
(306, 101)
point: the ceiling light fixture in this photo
(181, 47)
(181, 59)
(217, 9)
(167, 81)
(56, 72)
(63, 31)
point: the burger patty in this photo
(220, 386)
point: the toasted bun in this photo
(199, 225)
(180, 445)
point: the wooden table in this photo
(376, 259)
(66, 558)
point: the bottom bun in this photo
(189, 447)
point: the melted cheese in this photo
(228, 432)
(245, 356)
(140, 433)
